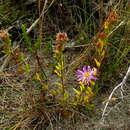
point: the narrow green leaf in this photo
(57, 73)
(76, 91)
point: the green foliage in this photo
(37, 43)
(11, 12)
(26, 67)
(48, 46)
(117, 56)
(32, 47)
(27, 40)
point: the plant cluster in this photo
(45, 98)
(86, 78)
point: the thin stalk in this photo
(62, 74)
(101, 11)
(39, 64)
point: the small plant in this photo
(61, 38)
(5, 41)
(86, 78)
(102, 42)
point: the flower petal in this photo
(80, 72)
(87, 75)
(93, 77)
(84, 69)
(88, 69)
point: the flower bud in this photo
(102, 35)
(98, 44)
(112, 17)
(61, 37)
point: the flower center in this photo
(87, 75)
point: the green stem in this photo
(38, 61)
(62, 74)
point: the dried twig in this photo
(118, 86)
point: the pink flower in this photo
(87, 75)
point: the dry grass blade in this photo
(79, 60)
(19, 124)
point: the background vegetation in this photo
(43, 43)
